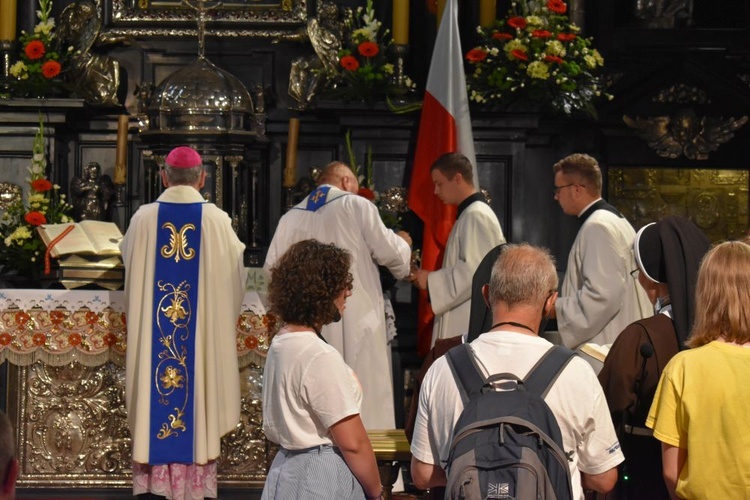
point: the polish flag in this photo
(445, 127)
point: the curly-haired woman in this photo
(311, 398)
(701, 409)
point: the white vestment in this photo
(353, 223)
(221, 289)
(476, 232)
(599, 297)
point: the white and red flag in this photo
(444, 127)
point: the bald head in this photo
(339, 175)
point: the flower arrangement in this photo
(535, 55)
(365, 71)
(38, 72)
(21, 247)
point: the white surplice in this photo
(476, 232)
(353, 223)
(221, 289)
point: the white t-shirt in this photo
(307, 388)
(576, 399)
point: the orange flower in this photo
(5, 338)
(92, 318)
(39, 339)
(74, 339)
(349, 63)
(22, 317)
(251, 342)
(566, 37)
(476, 55)
(367, 193)
(554, 59)
(368, 49)
(541, 34)
(41, 185)
(557, 6)
(50, 69)
(519, 54)
(502, 36)
(35, 218)
(57, 317)
(517, 22)
(34, 49)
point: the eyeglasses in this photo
(556, 189)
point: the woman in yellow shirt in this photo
(701, 412)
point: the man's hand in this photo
(404, 236)
(418, 277)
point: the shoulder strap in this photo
(544, 373)
(468, 377)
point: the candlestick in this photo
(401, 22)
(290, 170)
(121, 155)
(8, 20)
(487, 12)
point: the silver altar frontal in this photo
(65, 355)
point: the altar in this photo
(64, 391)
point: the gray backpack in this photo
(507, 443)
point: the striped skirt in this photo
(315, 473)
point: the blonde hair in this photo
(585, 168)
(722, 296)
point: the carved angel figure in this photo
(683, 133)
(309, 73)
(93, 194)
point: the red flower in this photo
(50, 69)
(74, 339)
(35, 218)
(566, 37)
(517, 22)
(554, 59)
(502, 36)
(519, 54)
(34, 49)
(57, 317)
(349, 63)
(110, 339)
(557, 6)
(368, 49)
(251, 342)
(92, 318)
(367, 193)
(39, 339)
(41, 185)
(22, 317)
(476, 55)
(5, 339)
(541, 34)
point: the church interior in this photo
(244, 82)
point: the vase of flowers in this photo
(21, 248)
(535, 56)
(365, 73)
(39, 69)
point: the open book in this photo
(88, 237)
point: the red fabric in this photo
(437, 136)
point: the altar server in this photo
(184, 285)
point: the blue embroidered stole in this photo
(178, 242)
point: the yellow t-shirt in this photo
(702, 404)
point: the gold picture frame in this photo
(227, 18)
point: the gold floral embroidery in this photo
(178, 242)
(171, 378)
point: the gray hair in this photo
(522, 275)
(183, 176)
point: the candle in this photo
(401, 22)
(8, 20)
(290, 171)
(487, 12)
(440, 9)
(121, 155)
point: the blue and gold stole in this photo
(320, 197)
(178, 242)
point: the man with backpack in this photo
(540, 426)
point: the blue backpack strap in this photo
(468, 377)
(544, 373)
